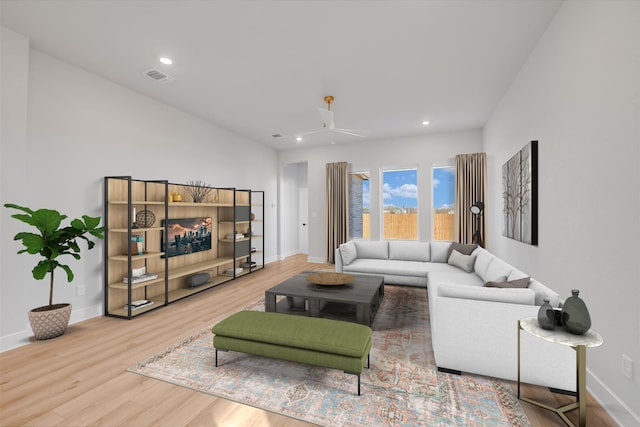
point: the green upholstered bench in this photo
(311, 340)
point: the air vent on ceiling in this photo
(159, 76)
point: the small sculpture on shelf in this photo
(198, 190)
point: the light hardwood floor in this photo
(80, 379)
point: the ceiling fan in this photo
(328, 124)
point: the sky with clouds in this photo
(400, 188)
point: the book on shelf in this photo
(137, 245)
(140, 278)
(135, 305)
(236, 236)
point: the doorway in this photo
(303, 220)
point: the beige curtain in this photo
(337, 207)
(471, 187)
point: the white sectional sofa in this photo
(473, 326)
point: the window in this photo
(400, 201)
(443, 202)
(359, 205)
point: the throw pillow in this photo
(464, 262)
(462, 248)
(498, 280)
(517, 283)
(348, 252)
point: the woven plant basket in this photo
(50, 321)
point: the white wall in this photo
(293, 177)
(579, 95)
(80, 128)
(422, 152)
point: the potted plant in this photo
(51, 242)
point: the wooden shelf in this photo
(229, 210)
(175, 273)
(158, 301)
(125, 257)
(185, 292)
(125, 286)
(135, 230)
(204, 205)
(135, 202)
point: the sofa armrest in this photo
(481, 337)
(523, 296)
(338, 261)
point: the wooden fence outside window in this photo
(405, 226)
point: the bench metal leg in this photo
(358, 384)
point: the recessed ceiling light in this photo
(166, 61)
(426, 122)
(299, 139)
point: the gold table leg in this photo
(581, 387)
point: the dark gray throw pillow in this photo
(462, 248)
(516, 283)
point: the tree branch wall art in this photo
(520, 195)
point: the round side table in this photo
(579, 343)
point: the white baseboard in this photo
(618, 410)
(18, 339)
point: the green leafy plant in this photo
(53, 240)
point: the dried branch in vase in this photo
(198, 190)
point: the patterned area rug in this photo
(402, 387)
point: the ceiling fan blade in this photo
(312, 131)
(353, 132)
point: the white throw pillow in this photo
(497, 268)
(483, 259)
(440, 251)
(372, 250)
(407, 250)
(464, 262)
(348, 252)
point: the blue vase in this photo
(575, 316)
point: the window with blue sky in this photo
(400, 201)
(444, 198)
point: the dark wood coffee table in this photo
(364, 293)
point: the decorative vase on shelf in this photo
(546, 316)
(575, 316)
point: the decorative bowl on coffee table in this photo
(329, 279)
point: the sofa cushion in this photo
(440, 251)
(512, 296)
(464, 249)
(453, 275)
(497, 268)
(543, 292)
(516, 283)
(372, 250)
(483, 259)
(389, 267)
(348, 252)
(464, 262)
(409, 250)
